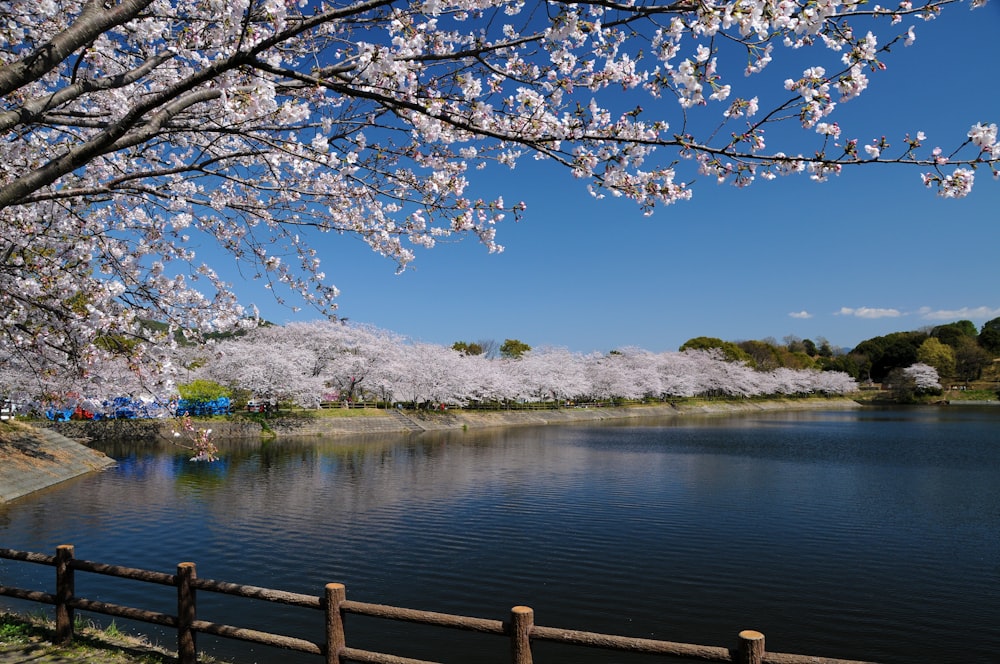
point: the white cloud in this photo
(965, 313)
(869, 312)
(800, 314)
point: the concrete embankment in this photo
(120, 430)
(401, 421)
(506, 418)
(35, 458)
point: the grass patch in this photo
(312, 414)
(971, 395)
(14, 630)
(92, 644)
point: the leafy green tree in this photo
(898, 349)
(513, 348)
(899, 386)
(730, 351)
(936, 354)
(810, 347)
(763, 355)
(952, 332)
(856, 365)
(766, 356)
(989, 336)
(202, 390)
(970, 360)
(467, 348)
(797, 360)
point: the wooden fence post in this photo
(187, 650)
(751, 649)
(336, 641)
(65, 588)
(522, 619)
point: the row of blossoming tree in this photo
(311, 363)
(137, 132)
(308, 363)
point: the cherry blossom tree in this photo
(924, 377)
(789, 381)
(679, 372)
(488, 380)
(833, 382)
(555, 374)
(346, 357)
(263, 365)
(624, 374)
(136, 131)
(145, 389)
(434, 376)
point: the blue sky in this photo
(867, 253)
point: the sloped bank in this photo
(35, 458)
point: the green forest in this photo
(964, 357)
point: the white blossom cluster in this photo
(925, 377)
(136, 131)
(311, 362)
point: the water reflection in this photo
(867, 535)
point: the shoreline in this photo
(436, 421)
(378, 421)
(37, 455)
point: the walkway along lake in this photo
(862, 534)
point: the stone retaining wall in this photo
(382, 422)
(113, 430)
(458, 419)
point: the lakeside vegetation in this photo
(965, 361)
(32, 634)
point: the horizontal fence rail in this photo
(519, 630)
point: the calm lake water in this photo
(870, 534)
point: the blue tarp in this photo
(218, 406)
(127, 408)
(60, 414)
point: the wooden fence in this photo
(519, 630)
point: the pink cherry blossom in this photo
(984, 136)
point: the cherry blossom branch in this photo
(33, 110)
(95, 19)
(197, 440)
(140, 123)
